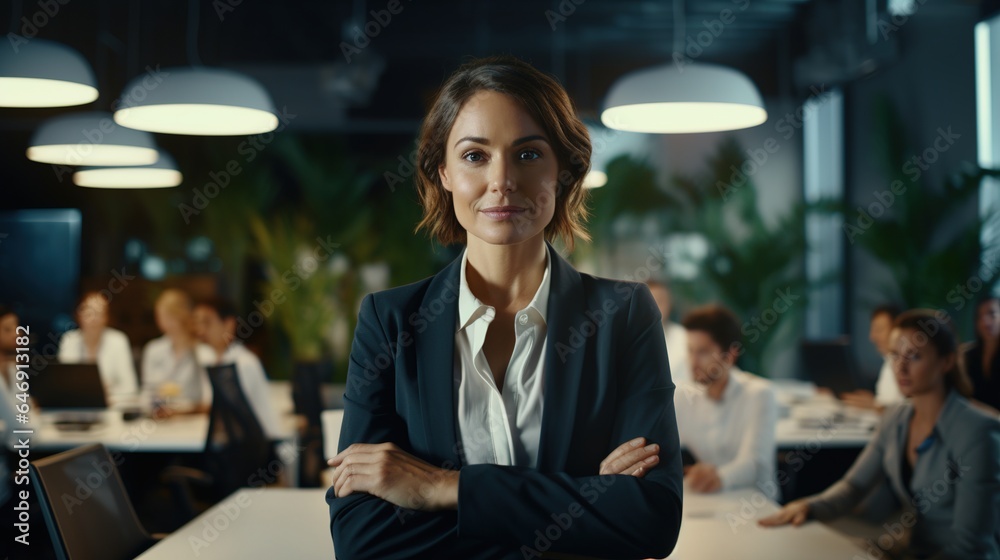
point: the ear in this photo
(443, 174)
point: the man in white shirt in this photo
(675, 334)
(727, 418)
(215, 322)
(886, 389)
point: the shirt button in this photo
(523, 319)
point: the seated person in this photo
(173, 364)
(939, 454)
(95, 342)
(728, 418)
(886, 391)
(8, 346)
(980, 359)
(675, 335)
(215, 321)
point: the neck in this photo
(717, 387)
(220, 348)
(927, 406)
(505, 276)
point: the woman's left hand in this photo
(386, 471)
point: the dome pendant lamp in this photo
(40, 73)
(198, 100)
(683, 96)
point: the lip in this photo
(503, 212)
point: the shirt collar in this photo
(734, 386)
(471, 308)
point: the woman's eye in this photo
(530, 155)
(473, 156)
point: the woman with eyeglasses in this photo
(938, 452)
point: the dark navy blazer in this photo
(606, 381)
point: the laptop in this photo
(828, 363)
(74, 390)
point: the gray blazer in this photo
(954, 511)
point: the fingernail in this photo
(651, 447)
(636, 442)
(652, 459)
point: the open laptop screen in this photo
(68, 387)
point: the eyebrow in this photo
(481, 140)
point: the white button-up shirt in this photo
(736, 434)
(497, 427)
(114, 359)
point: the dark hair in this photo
(718, 322)
(6, 310)
(939, 331)
(979, 309)
(225, 308)
(890, 309)
(547, 103)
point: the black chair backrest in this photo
(236, 447)
(307, 394)
(85, 506)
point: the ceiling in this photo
(298, 48)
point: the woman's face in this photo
(501, 171)
(918, 367)
(92, 314)
(170, 320)
(988, 319)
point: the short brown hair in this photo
(939, 331)
(547, 103)
(719, 323)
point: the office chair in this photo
(236, 448)
(308, 401)
(86, 508)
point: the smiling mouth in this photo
(503, 212)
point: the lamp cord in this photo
(15, 15)
(679, 28)
(192, 44)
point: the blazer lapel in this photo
(435, 355)
(566, 345)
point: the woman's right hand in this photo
(633, 457)
(795, 513)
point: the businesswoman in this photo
(95, 342)
(509, 406)
(939, 454)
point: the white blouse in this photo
(114, 359)
(160, 365)
(736, 433)
(494, 427)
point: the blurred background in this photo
(800, 209)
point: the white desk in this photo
(725, 526)
(291, 523)
(184, 433)
(808, 419)
(255, 523)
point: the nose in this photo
(501, 176)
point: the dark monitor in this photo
(828, 363)
(68, 387)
